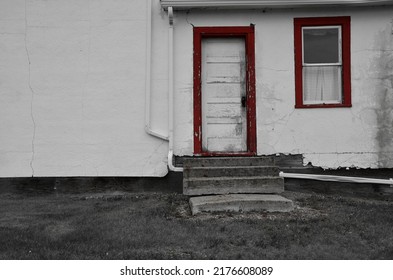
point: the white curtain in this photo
(322, 84)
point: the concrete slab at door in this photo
(224, 120)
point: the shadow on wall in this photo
(383, 69)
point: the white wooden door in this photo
(223, 86)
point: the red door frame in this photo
(246, 32)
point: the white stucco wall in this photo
(360, 136)
(72, 87)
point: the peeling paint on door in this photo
(223, 86)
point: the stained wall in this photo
(360, 136)
(73, 82)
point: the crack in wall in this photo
(187, 19)
(32, 97)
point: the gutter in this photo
(333, 178)
(247, 4)
(148, 128)
(171, 93)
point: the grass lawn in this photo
(123, 225)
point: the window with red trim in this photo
(322, 62)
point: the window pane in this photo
(322, 84)
(321, 45)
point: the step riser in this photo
(224, 161)
(233, 185)
(206, 172)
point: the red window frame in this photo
(345, 23)
(246, 32)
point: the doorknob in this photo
(244, 99)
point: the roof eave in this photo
(247, 4)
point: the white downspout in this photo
(334, 178)
(170, 93)
(148, 75)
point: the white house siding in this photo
(360, 136)
(72, 87)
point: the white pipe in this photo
(170, 93)
(334, 178)
(170, 163)
(148, 128)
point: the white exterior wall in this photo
(360, 136)
(72, 89)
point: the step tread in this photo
(229, 157)
(238, 197)
(231, 167)
(226, 178)
(240, 203)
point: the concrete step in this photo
(227, 161)
(240, 203)
(230, 171)
(227, 185)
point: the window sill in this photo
(313, 106)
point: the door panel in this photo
(223, 84)
(224, 91)
(217, 144)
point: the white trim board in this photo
(239, 4)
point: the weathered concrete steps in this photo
(223, 175)
(234, 184)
